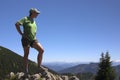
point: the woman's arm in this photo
(18, 28)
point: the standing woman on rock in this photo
(29, 37)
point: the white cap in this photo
(34, 10)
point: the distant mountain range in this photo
(57, 66)
(82, 68)
(87, 68)
(63, 67)
(78, 67)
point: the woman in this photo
(29, 37)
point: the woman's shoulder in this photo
(25, 17)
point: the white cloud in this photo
(116, 60)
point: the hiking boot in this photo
(43, 71)
(26, 71)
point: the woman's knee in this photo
(38, 47)
(26, 51)
(41, 51)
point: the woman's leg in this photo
(26, 53)
(40, 50)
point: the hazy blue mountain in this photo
(117, 68)
(86, 68)
(57, 66)
(114, 63)
(77, 67)
(81, 68)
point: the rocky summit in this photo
(38, 76)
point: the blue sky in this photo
(69, 30)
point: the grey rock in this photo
(44, 75)
(65, 78)
(74, 78)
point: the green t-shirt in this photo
(29, 27)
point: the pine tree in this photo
(105, 70)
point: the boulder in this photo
(74, 78)
(44, 75)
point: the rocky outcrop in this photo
(38, 76)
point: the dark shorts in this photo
(26, 42)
